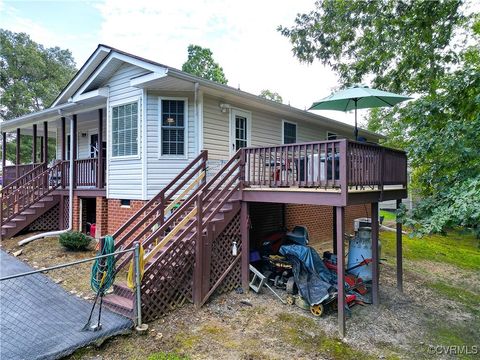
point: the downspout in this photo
(195, 110)
(70, 201)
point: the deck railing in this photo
(11, 175)
(325, 164)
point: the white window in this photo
(289, 132)
(125, 130)
(331, 136)
(173, 122)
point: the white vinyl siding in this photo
(124, 174)
(160, 169)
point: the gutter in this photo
(70, 201)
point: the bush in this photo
(74, 240)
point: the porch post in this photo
(74, 152)
(340, 215)
(100, 150)
(399, 251)
(4, 150)
(63, 150)
(244, 233)
(17, 154)
(64, 146)
(45, 141)
(34, 144)
(41, 149)
(375, 259)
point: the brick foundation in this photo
(319, 219)
(118, 215)
(76, 213)
(102, 217)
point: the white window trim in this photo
(283, 130)
(113, 104)
(186, 120)
(241, 112)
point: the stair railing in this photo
(30, 192)
(22, 180)
(154, 211)
(198, 211)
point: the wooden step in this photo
(122, 289)
(19, 218)
(119, 304)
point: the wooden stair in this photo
(28, 216)
(122, 299)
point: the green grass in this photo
(166, 356)
(457, 248)
(388, 215)
(469, 299)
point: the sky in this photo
(241, 34)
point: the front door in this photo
(93, 145)
(239, 130)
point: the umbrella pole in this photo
(356, 128)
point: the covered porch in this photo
(87, 148)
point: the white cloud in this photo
(241, 34)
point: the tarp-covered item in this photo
(314, 281)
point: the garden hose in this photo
(103, 269)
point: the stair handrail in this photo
(201, 197)
(162, 198)
(30, 193)
(6, 190)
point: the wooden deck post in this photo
(34, 144)
(199, 255)
(45, 142)
(375, 259)
(399, 251)
(334, 230)
(4, 150)
(244, 233)
(74, 153)
(100, 150)
(17, 154)
(340, 214)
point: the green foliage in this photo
(75, 240)
(31, 76)
(457, 248)
(26, 142)
(429, 48)
(403, 44)
(270, 95)
(200, 63)
(166, 356)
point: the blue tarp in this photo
(314, 281)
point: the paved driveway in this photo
(40, 320)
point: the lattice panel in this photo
(48, 221)
(222, 257)
(66, 218)
(168, 284)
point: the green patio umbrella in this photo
(358, 97)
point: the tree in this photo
(270, 95)
(420, 47)
(200, 63)
(31, 76)
(405, 45)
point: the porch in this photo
(87, 147)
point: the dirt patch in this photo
(404, 326)
(48, 252)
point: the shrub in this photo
(74, 240)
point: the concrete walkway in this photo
(40, 320)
